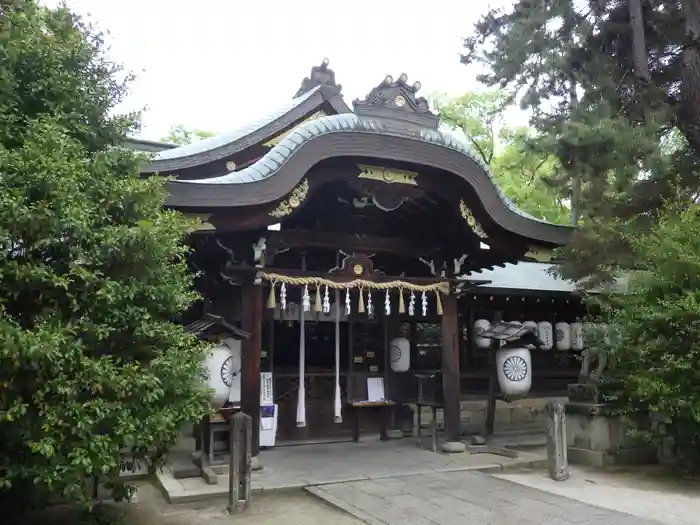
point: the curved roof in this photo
(226, 144)
(353, 135)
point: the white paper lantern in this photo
(562, 334)
(544, 333)
(576, 336)
(514, 366)
(219, 366)
(400, 354)
(481, 325)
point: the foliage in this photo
(657, 323)
(520, 171)
(92, 271)
(604, 98)
(181, 136)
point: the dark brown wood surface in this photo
(250, 377)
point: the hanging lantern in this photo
(400, 354)
(576, 336)
(562, 333)
(222, 366)
(544, 334)
(480, 326)
(514, 364)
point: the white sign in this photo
(266, 389)
(375, 389)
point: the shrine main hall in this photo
(336, 256)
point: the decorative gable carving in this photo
(397, 100)
(320, 76)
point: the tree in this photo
(180, 135)
(578, 67)
(520, 171)
(654, 354)
(92, 268)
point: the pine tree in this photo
(92, 272)
(625, 135)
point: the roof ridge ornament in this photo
(320, 76)
(397, 100)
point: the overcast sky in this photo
(214, 64)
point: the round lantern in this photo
(400, 354)
(514, 365)
(221, 366)
(562, 334)
(576, 336)
(480, 326)
(544, 334)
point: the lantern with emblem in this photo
(513, 359)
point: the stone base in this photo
(600, 459)
(453, 447)
(394, 433)
(598, 439)
(255, 463)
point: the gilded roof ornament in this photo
(396, 99)
(468, 216)
(387, 175)
(287, 206)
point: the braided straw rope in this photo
(275, 278)
(361, 284)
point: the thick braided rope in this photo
(275, 278)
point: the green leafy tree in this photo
(180, 135)
(656, 348)
(522, 172)
(606, 83)
(92, 269)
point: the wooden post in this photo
(252, 302)
(557, 461)
(450, 375)
(493, 380)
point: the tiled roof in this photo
(524, 276)
(217, 141)
(268, 165)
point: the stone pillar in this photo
(450, 375)
(557, 462)
(239, 484)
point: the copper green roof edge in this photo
(274, 159)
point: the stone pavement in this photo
(304, 465)
(460, 498)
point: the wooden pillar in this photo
(493, 380)
(450, 368)
(252, 313)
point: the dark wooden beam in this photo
(450, 368)
(252, 314)
(347, 242)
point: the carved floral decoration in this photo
(468, 216)
(287, 206)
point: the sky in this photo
(215, 64)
